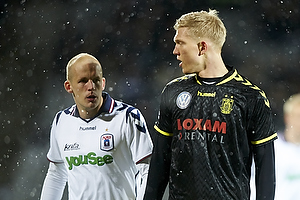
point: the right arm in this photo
(159, 168)
(55, 181)
(56, 178)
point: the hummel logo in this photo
(87, 128)
(70, 147)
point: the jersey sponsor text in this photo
(191, 129)
(194, 124)
(90, 158)
(70, 147)
(197, 135)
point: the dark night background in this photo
(133, 40)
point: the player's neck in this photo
(86, 113)
(214, 67)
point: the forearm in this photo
(159, 168)
(142, 181)
(265, 171)
(54, 182)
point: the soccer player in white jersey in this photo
(100, 146)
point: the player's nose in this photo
(90, 85)
(175, 51)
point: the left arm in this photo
(264, 159)
(140, 147)
(262, 135)
(143, 168)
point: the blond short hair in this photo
(77, 58)
(204, 25)
(290, 104)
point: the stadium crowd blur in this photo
(133, 39)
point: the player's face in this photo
(86, 84)
(294, 119)
(187, 51)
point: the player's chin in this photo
(93, 104)
(186, 71)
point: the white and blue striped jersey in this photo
(100, 154)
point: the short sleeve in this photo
(54, 154)
(141, 144)
(164, 121)
(261, 126)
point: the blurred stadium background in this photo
(133, 39)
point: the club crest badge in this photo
(183, 100)
(107, 142)
(227, 104)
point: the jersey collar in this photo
(218, 80)
(108, 103)
(107, 106)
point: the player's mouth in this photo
(180, 64)
(91, 98)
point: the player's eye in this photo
(96, 80)
(83, 80)
(178, 42)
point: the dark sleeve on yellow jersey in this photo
(264, 171)
(159, 168)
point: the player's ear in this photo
(202, 47)
(68, 87)
(103, 83)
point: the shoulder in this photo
(251, 90)
(132, 115)
(244, 82)
(185, 78)
(177, 84)
(126, 109)
(68, 111)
